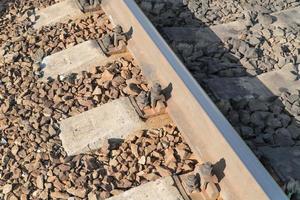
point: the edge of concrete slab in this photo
(91, 129)
(221, 32)
(265, 85)
(161, 189)
(59, 12)
(75, 59)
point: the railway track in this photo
(91, 109)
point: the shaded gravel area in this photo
(271, 128)
(207, 12)
(213, 12)
(33, 164)
(264, 122)
(259, 48)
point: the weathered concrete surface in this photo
(75, 59)
(286, 17)
(227, 88)
(284, 160)
(161, 189)
(267, 84)
(62, 11)
(211, 34)
(114, 120)
(221, 32)
(277, 81)
(89, 130)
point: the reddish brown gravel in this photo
(33, 164)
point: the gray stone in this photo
(268, 138)
(285, 119)
(273, 122)
(278, 32)
(283, 137)
(3, 141)
(251, 53)
(247, 132)
(224, 106)
(269, 130)
(265, 19)
(253, 41)
(276, 109)
(38, 56)
(266, 33)
(147, 6)
(257, 119)
(242, 47)
(245, 117)
(294, 131)
(185, 48)
(255, 105)
(233, 117)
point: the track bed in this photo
(94, 110)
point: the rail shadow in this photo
(218, 169)
(4, 6)
(213, 64)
